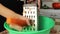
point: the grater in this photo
(30, 11)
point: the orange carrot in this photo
(16, 21)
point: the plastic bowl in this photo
(44, 26)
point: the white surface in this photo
(30, 11)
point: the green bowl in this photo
(44, 26)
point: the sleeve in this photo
(1, 1)
(4, 2)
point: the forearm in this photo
(6, 12)
(39, 4)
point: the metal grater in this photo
(30, 11)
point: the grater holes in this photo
(33, 21)
(34, 16)
(26, 16)
(28, 12)
(33, 12)
(24, 28)
(30, 28)
(29, 16)
(26, 7)
(34, 24)
(25, 12)
(33, 28)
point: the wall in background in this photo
(54, 13)
(49, 4)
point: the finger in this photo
(28, 23)
(19, 28)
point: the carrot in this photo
(16, 21)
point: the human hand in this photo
(31, 1)
(15, 20)
(18, 22)
(38, 4)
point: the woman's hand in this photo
(23, 18)
(11, 14)
(8, 14)
(31, 1)
(18, 22)
(38, 4)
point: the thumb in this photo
(28, 22)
